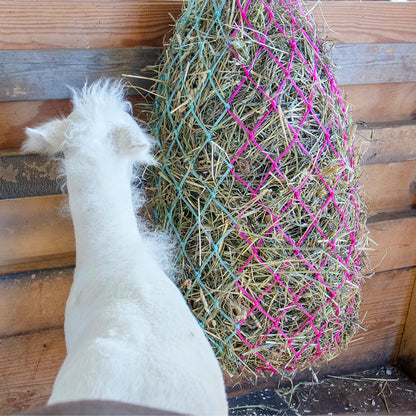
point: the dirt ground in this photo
(382, 391)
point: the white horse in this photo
(129, 334)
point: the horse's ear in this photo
(132, 141)
(46, 138)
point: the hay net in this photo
(258, 182)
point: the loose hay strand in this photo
(259, 183)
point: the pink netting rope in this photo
(261, 39)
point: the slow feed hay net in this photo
(258, 182)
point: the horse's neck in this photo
(102, 210)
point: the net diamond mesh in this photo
(258, 182)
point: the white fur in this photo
(129, 334)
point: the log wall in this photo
(47, 44)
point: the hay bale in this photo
(259, 183)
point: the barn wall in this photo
(46, 43)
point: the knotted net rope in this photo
(259, 184)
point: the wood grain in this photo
(29, 362)
(33, 301)
(33, 235)
(367, 21)
(46, 74)
(23, 176)
(378, 63)
(49, 24)
(386, 186)
(376, 103)
(50, 261)
(387, 142)
(407, 353)
(389, 186)
(395, 239)
(15, 116)
(380, 143)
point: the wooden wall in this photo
(47, 44)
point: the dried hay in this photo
(270, 224)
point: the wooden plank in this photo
(34, 235)
(377, 143)
(375, 63)
(49, 261)
(389, 186)
(407, 353)
(367, 22)
(30, 362)
(46, 74)
(50, 24)
(387, 142)
(15, 116)
(394, 235)
(380, 143)
(375, 103)
(28, 175)
(33, 301)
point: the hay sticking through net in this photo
(259, 184)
